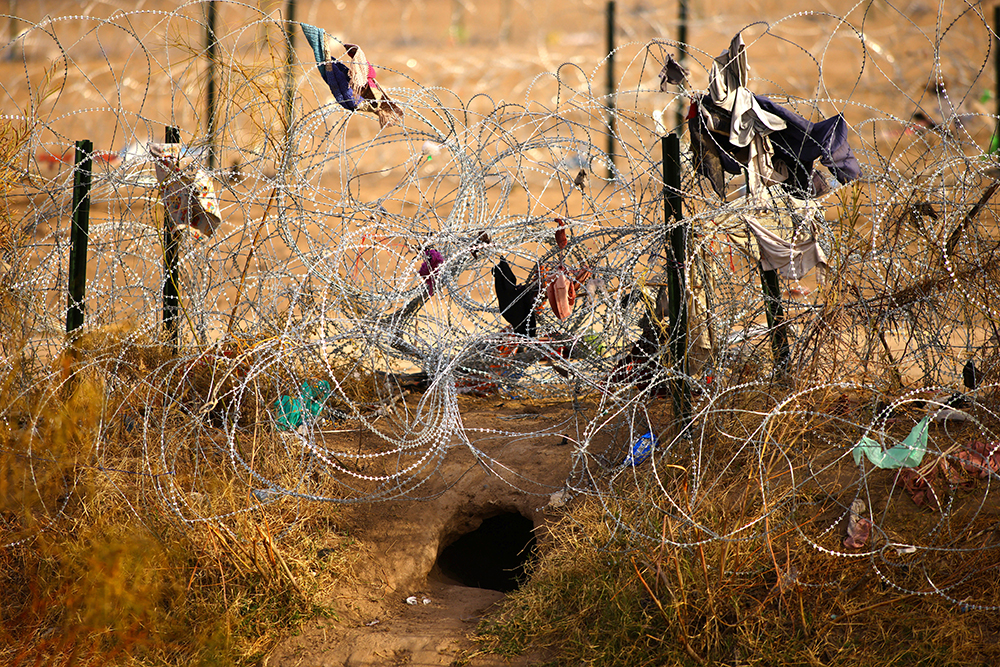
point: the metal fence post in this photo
(682, 37)
(210, 48)
(611, 87)
(79, 235)
(775, 316)
(171, 272)
(676, 262)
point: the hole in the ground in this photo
(493, 556)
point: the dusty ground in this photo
(402, 539)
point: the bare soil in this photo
(402, 538)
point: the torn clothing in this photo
(353, 85)
(780, 236)
(187, 191)
(734, 130)
(517, 302)
(672, 73)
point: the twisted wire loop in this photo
(314, 306)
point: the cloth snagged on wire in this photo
(859, 528)
(792, 259)
(187, 191)
(733, 129)
(780, 234)
(429, 267)
(517, 302)
(907, 454)
(561, 293)
(673, 73)
(353, 84)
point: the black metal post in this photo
(171, 272)
(676, 261)
(775, 317)
(79, 234)
(995, 141)
(210, 48)
(289, 64)
(611, 87)
(682, 38)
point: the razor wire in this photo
(314, 308)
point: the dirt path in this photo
(435, 633)
(401, 541)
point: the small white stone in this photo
(559, 499)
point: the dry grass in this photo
(97, 571)
(596, 597)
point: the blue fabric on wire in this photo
(802, 142)
(797, 146)
(339, 77)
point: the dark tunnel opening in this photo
(494, 556)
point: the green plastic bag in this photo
(290, 412)
(907, 454)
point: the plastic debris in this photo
(412, 600)
(291, 412)
(907, 454)
(641, 450)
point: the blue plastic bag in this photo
(641, 450)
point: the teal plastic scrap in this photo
(291, 412)
(907, 454)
